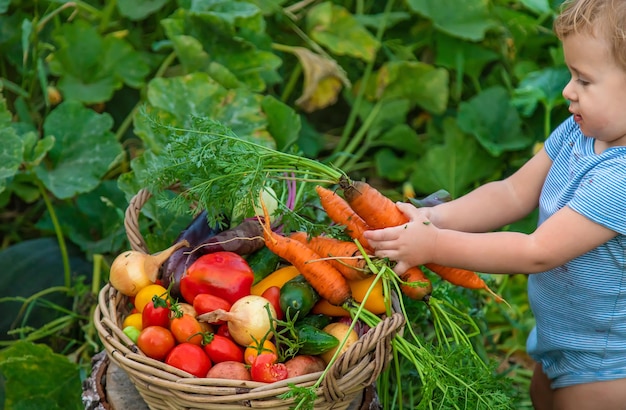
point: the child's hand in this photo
(410, 244)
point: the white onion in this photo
(248, 319)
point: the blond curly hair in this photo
(606, 18)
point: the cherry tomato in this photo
(220, 273)
(145, 295)
(251, 352)
(156, 313)
(156, 342)
(265, 369)
(272, 294)
(134, 320)
(186, 328)
(190, 358)
(222, 349)
(206, 302)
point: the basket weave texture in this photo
(165, 387)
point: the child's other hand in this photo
(410, 244)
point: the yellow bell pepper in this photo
(276, 278)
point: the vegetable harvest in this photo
(205, 151)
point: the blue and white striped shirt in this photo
(580, 307)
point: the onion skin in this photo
(131, 271)
(248, 319)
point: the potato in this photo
(304, 364)
(229, 370)
(339, 330)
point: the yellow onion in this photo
(131, 271)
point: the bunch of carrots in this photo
(329, 263)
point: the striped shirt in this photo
(580, 307)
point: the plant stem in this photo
(345, 136)
(59, 234)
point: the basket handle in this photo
(378, 340)
(131, 220)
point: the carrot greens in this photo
(211, 165)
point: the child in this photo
(577, 254)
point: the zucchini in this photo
(314, 341)
(297, 297)
(263, 262)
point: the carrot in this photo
(344, 255)
(340, 212)
(462, 277)
(378, 211)
(418, 286)
(323, 277)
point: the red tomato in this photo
(156, 313)
(220, 273)
(222, 349)
(265, 369)
(186, 328)
(222, 330)
(273, 295)
(156, 342)
(205, 303)
(190, 358)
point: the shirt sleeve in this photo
(601, 195)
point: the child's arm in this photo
(445, 234)
(562, 237)
(495, 204)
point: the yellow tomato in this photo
(134, 320)
(146, 294)
(253, 351)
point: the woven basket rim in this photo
(156, 381)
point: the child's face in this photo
(597, 89)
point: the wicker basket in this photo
(165, 387)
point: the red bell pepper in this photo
(224, 274)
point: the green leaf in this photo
(91, 67)
(139, 9)
(11, 154)
(402, 138)
(421, 83)
(84, 149)
(283, 122)
(38, 378)
(538, 6)
(40, 261)
(391, 166)
(491, 117)
(231, 33)
(454, 166)
(544, 86)
(469, 58)
(335, 27)
(4, 5)
(176, 99)
(94, 221)
(467, 19)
